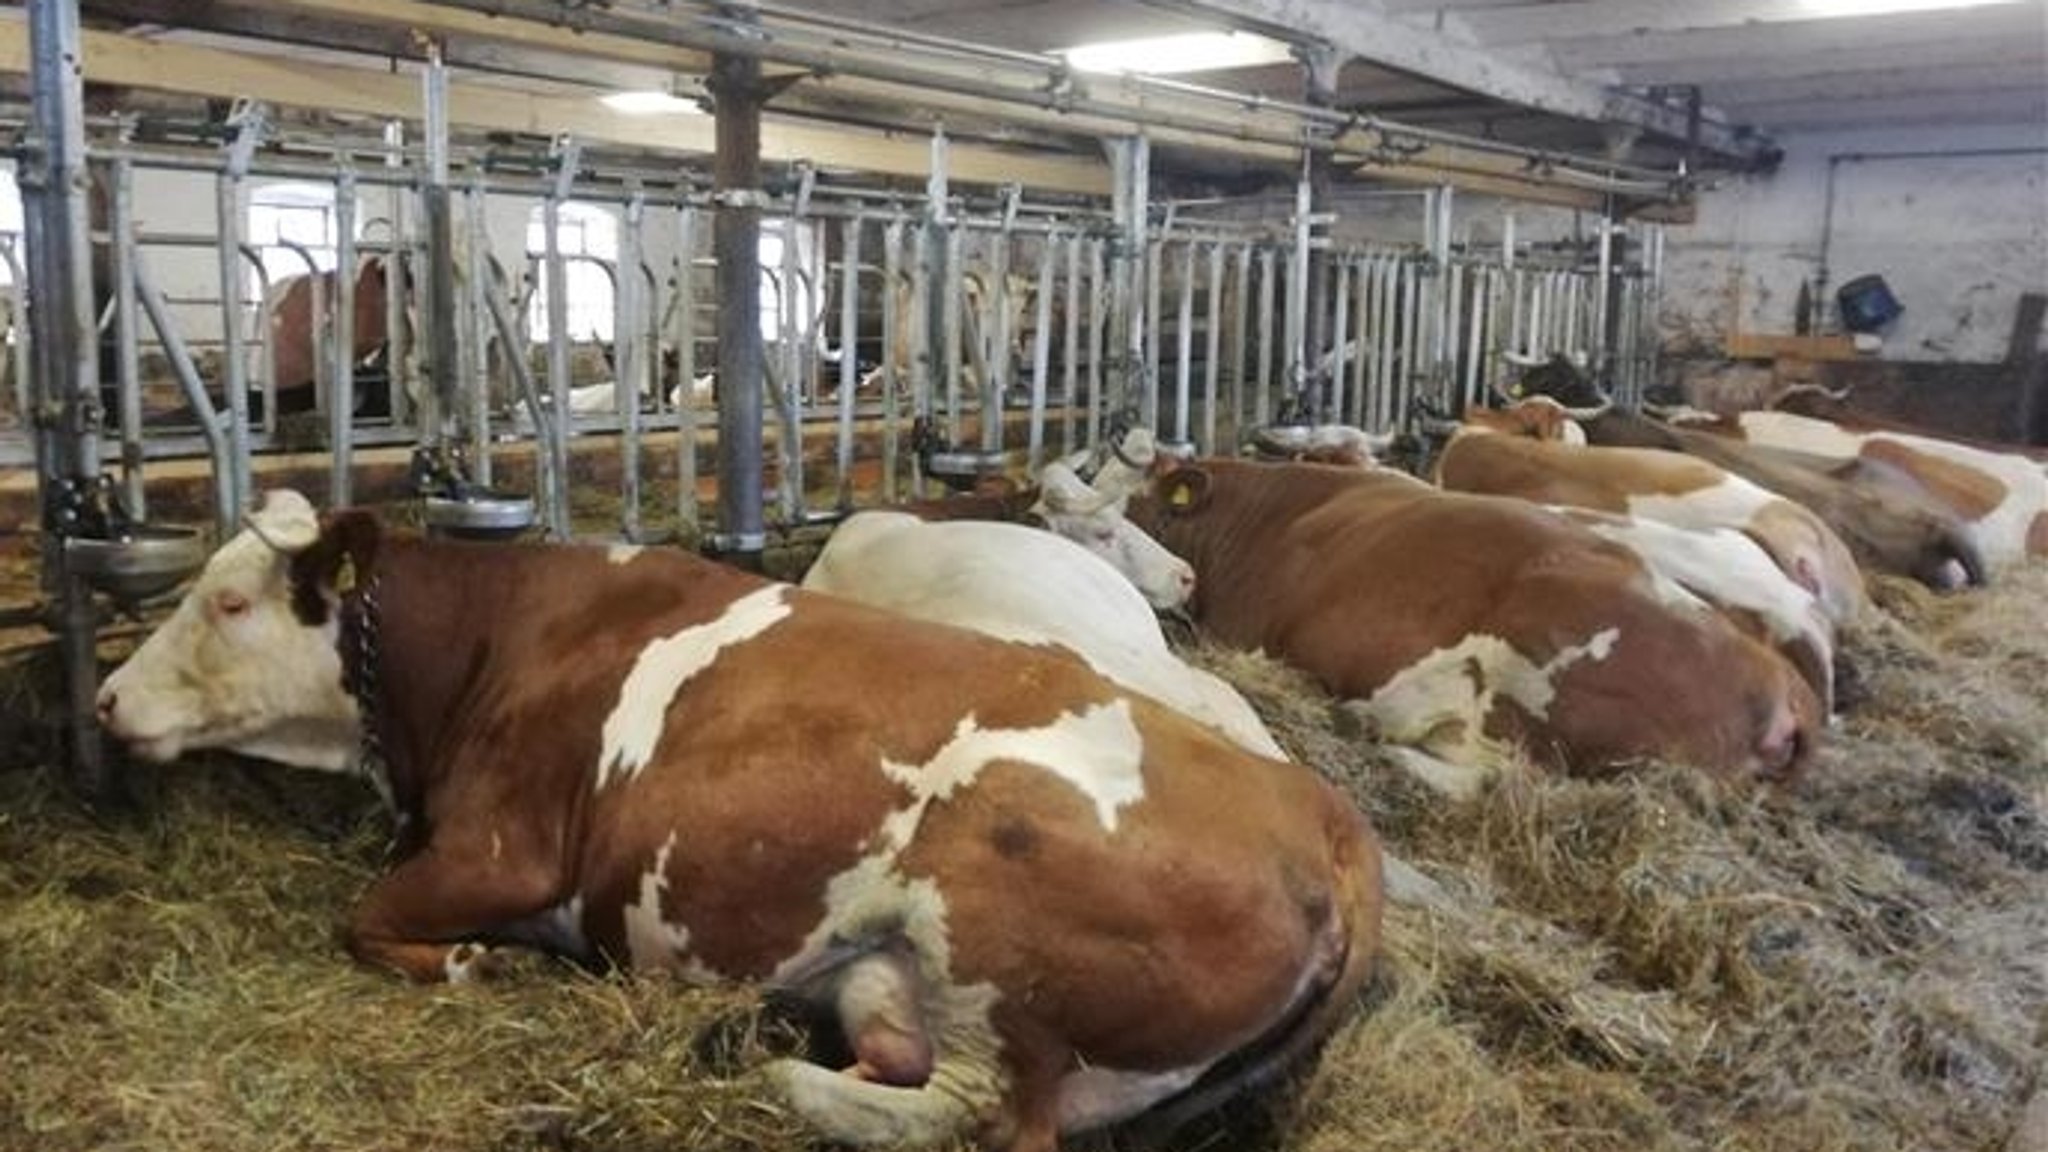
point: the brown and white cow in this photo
(1522, 451)
(1034, 901)
(1459, 622)
(289, 318)
(1889, 528)
(2001, 498)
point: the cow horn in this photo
(1522, 361)
(1582, 415)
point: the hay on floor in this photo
(1857, 962)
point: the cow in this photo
(1464, 623)
(1832, 406)
(1029, 586)
(1887, 529)
(2000, 498)
(295, 349)
(1523, 451)
(1320, 444)
(1730, 571)
(1031, 901)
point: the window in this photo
(585, 230)
(10, 222)
(290, 214)
(775, 234)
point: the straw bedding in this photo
(1857, 962)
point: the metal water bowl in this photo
(484, 515)
(961, 470)
(146, 561)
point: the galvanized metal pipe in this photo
(127, 335)
(1262, 395)
(341, 387)
(476, 349)
(226, 513)
(1149, 358)
(439, 301)
(892, 338)
(951, 292)
(399, 362)
(686, 372)
(555, 268)
(1070, 368)
(1330, 408)
(1240, 340)
(1098, 336)
(630, 364)
(234, 380)
(1041, 355)
(1361, 317)
(1212, 358)
(849, 341)
(1184, 358)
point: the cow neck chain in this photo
(359, 677)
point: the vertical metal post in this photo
(1130, 167)
(438, 416)
(1041, 353)
(341, 391)
(1297, 296)
(1240, 339)
(849, 340)
(893, 320)
(1184, 345)
(1149, 359)
(476, 369)
(737, 95)
(228, 247)
(936, 364)
(631, 361)
(1389, 343)
(65, 408)
(1070, 368)
(1212, 349)
(399, 362)
(951, 294)
(1353, 412)
(1098, 346)
(1262, 395)
(995, 355)
(686, 370)
(127, 333)
(560, 419)
(1332, 408)
(793, 323)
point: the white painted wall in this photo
(1958, 238)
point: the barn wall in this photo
(1958, 237)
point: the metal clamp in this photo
(568, 156)
(249, 121)
(741, 198)
(806, 181)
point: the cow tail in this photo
(1321, 1009)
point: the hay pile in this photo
(1858, 963)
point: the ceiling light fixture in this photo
(1170, 55)
(649, 103)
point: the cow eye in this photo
(230, 603)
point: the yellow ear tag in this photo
(1182, 496)
(345, 576)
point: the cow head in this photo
(1563, 379)
(1095, 520)
(248, 660)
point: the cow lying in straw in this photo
(1033, 902)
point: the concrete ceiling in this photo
(1522, 69)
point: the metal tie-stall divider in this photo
(1398, 325)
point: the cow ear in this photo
(1183, 491)
(339, 562)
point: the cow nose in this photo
(1186, 578)
(104, 707)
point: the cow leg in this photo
(425, 917)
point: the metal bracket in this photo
(568, 156)
(249, 121)
(741, 198)
(1012, 195)
(806, 180)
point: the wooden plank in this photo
(1758, 346)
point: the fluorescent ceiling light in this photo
(648, 103)
(1880, 7)
(1189, 52)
